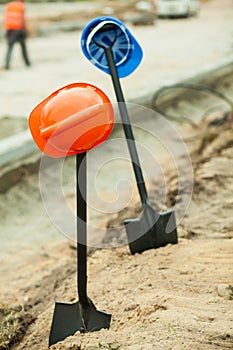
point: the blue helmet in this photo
(104, 32)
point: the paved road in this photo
(173, 49)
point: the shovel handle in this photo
(101, 28)
(127, 127)
(81, 184)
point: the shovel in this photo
(68, 318)
(151, 230)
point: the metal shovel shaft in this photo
(82, 315)
(152, 230)
(127, 126)
(81, 187)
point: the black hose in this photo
(191, 86)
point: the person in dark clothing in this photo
(14, 24)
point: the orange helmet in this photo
(71, 120)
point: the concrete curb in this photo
(16, 147)
(209, 74)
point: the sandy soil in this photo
(177, 297)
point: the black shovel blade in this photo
(152, 230)
(70, 318)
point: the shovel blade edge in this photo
(70, 318)
(151, 232)
(66, 322)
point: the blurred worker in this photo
(15, 27)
